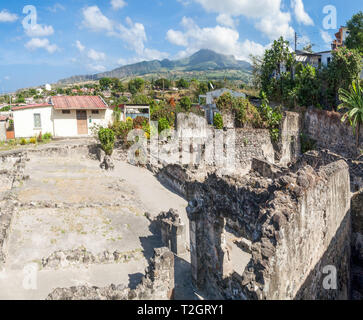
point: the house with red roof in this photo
(63, 116)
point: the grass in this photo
(19, 144)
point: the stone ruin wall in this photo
(12, 165)
(297, 224)
(326, 128)
(157, 284)
(2, 131)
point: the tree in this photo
(117, 85)
(353, 101)
(185, 103)
(344, 68)
(355, 37)
(256, 62)
(163, 83)
(182, 84)
(105, 83)
(276, 65)
(136, 85)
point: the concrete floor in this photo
(99, 211)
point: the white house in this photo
(64, 116)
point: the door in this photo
(82, 122)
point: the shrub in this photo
(107, 140)
(163, 124)
(138, 122)
(218, 121)
(33, 140)
(47, 136)
(23, 141)
(185, 104)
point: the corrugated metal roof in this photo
(78, 102)
(30, 106)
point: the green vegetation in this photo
(107, 140)
(218, 121)
(355, 37)
(352, 101)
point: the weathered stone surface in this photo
(297, 224)
(157, 284)
(330, 133)
(63, 259)
(172, 230)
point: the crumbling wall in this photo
(298, 223)
(12, 165)
(2, 130)
(316, 159)
(357, 245)
(172, 231)
(326, 128)
(289, 146)
(157, 284)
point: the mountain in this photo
(200, 62)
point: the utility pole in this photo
(295, 41)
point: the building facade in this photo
(63, 116)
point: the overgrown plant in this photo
(218, 121)
(107, 140)
(352, 100)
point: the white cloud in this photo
(269, 18)
(226, 20)
(98, 67)
(118, 4)
(121, 61)
(300, 13)
(56, 7)
(95, 20)
(6, 16)
(327, 38)
(177, 37)
(39, 30)
(276, 25)
(37, 43)
(220, 39)
(96, 55)
(80, 46)
(132, 34)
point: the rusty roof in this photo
(30, 106)
(78, 102)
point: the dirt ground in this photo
(91, 209)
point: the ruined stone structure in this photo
(297, 224)
(11, 174)
(288, 147)
(157, 284)
(172, 231)
(326, 128)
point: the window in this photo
(66, 111)
(328, 60)
(37, 120)
(95, 112)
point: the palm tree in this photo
(353, 101)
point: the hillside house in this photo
(63, 116)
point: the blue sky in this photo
(82, 36)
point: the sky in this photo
(44, 41)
